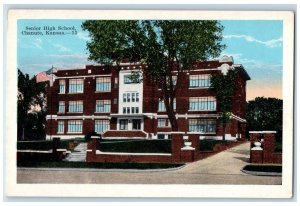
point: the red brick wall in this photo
(267, 155)
(150, 97)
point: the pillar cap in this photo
(262, 132)
(95, 137)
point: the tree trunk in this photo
(173, 121)
(224, 131)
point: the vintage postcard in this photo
(149, 103)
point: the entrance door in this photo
(136, 124)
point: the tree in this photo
(30, 124)
(163, 45)
(265, 114)
(223, 85)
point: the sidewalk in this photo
(229, 162)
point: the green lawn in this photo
(43, 145)
(136, 146)
(100, 165)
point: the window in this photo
(202, 125)
(116, 83)
(123, 124)
(61, 107)
(128, 110)
(137, 110)
(199, 81)
(75, 126)
(124, 110)
(103, 84)
(115, 101)
(162, 106)
(124, 97)
(101, 126)
(136, 124)
(131, 97)
(128, 97)
(130, 79)
(163, 122)
(60, 126)
(102, 106)
(202, 103)
(132, 110)
(174, 80)
(76, 86)
(62, 86)
(76, 106)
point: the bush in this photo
(263, 168)
(208, 145)
(89, 135)
(136, 146)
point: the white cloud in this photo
(270, 43)
(37, 43)
(75, 55)
(83, 36)
(61, 48)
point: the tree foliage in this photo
(161, 44)
(224, 86)
(265, 114)
(31, 125)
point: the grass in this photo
(264, 168)
(136, 146)
(44, 145)
(100, 165)
(208, 145)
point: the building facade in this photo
(106, 100)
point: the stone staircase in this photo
(79, 153)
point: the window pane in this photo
(202, 125)
(103, 84)
(103, 106)
(202, 103)
(101, 126)
(76, 86)
(136, 124)
(199, 80)
(76, 106)
(123, 124)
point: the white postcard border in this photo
(142, 190)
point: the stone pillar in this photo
(194, 138)
(55, 144)
(187, 154)
(268, 146)
(256, 156)
(254, 137)
(243, 131)
(177, 144)
(91, 148)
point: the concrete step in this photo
(79, 155)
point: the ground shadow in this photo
(243, 152)
(244, 159)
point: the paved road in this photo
(222, 168)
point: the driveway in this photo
(222, 168)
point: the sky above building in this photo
(256, 44)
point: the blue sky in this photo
(255, 44)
